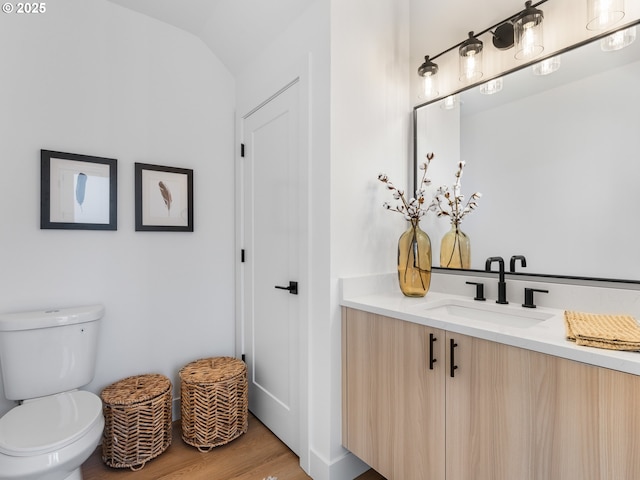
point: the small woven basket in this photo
(214, 400)
(137, 412)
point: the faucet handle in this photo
(479, 290)
(512, 262)
(528, 297)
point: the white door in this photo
(270, 240)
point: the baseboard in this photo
(347, 467)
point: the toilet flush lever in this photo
(293, 288)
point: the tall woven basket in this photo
(214, 400)
(137, 413)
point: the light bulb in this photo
(469, 68)
(428, 71)
(528, 33)
(470, 53)
(602, 14)
(430, 86)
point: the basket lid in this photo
(49, 423)
(212, 370)
(136, 389)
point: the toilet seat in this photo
(48, 424)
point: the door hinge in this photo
(242, 255)
(242, 150)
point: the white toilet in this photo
(45, 357)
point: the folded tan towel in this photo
(615, 332)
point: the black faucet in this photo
(512, 263)
(502, 286)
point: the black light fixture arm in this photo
(490, 29)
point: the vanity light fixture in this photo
(491, 87)
(602, 14)
(546, 66)
(618, 40)
(428, 71)
(523, 29)
(528, 32)
(470, 59)
(503, 36)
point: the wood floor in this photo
(253, 456)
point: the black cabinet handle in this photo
(432, 360)
(453, 366)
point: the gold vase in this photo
(455, 248)
(414, 261)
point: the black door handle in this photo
(293, 288)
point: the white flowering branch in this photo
(449, 202)
(412, 209)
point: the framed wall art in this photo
(78, 191)
(164, 198)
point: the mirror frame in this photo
(413, 175)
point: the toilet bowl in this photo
(46, 356)
(49, 438)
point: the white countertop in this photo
(545, 336)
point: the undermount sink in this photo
(512, 316)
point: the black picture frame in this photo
(163, 198)
(78, 192)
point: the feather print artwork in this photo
(80, 188)
(166, 195)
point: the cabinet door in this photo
(594, 424)
(393, 403)
(518, 414)
(490, 411)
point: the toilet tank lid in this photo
(55, 317)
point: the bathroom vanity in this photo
(443, 387)
(447, 387)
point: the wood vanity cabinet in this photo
(507, 413)
(393, 404)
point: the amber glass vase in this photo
(414, 261)
(455, 248)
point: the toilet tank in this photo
(48, 351)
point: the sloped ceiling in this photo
(237, 30)
(234, 30)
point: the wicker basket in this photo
(137, 412)
(214, 399)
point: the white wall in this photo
(97, 79)
(303, 49)
(364, 101)
(370, 133)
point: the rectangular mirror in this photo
(556, 158)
